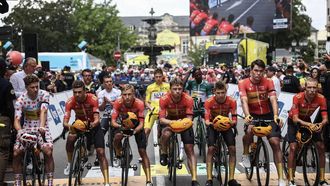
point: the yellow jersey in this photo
(155, 92)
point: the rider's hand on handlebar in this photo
(248, 119)
(42, 131)
(318, 127)
(278, 121)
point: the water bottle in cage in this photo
(181, 151)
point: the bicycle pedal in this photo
(134, 167)
(179, 165)
(89, 166)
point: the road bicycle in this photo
(33, 153)
(173, 155)
(307, 156)
(200, 134)
(109, 143)
(79, 159)
(220, 160)
(127, 156)
(259, 156)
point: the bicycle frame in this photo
(173, 156)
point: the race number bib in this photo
(155, 96)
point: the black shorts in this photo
(140, 138)
(276, 130)
(98, 137)
(212, 135)
(292, 131)
(187, 136)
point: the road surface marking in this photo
(95, 172)
(159, 170)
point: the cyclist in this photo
(177, 105)
(154, 92)
(33, 104)
(86, 108)
(220, 104)
(257, 95)
(304, 105)
(106, 97)
(198, 87)
(128, 103)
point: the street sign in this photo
(117, 55)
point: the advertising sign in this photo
(232, 17)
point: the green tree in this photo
(197, 54)
(99, 25)
(62, 24)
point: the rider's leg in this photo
(291, 135)
(232, 161)
(148, 123)
(321, 149)
(247, 140)
(17, 165)
(292, 160)
(211, 134)
(141, 141)
(98, 137)
(209, 162)
(49, 162)
(164, 139)
(117, 143)
(277, 153)
(70, 146)
(103, 163)
(188, 140)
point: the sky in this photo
(316, 9)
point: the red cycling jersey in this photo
(214, 108)
(84, 111)
(209, 25)
(257, 94)
(304, 109)
(194, 14)
(137, 107)
(174, 111)
(200, 17)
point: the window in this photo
(185, 45)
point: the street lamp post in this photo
(294, 44)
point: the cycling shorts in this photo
(97, 136)
(212, 135)
(149, 120)
(43, 144)
(276, 130)
(140, 138)
(292, 131)
(187, 136)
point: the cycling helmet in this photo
(221, 123)
(130, 120)
(181, 125)
(304, 134)
(262, 131)
(29, 138)
(79, 126)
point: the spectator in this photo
(60, 83)
(271, 71)
(291, 82)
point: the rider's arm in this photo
(44, 110)
(148, 97)
(115, 115)
(324, 112)
(141, 117)
(207, 114)
(244, 98)
(96, 112)
(18, 114)
(67, 114)
(233, 111)
(273, 101)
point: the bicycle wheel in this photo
(262, 163)
(285, 153)
(110, 146)
(222, 164)
(311, 166)
(29, 175)
(175, 159)
(125, 163)
(75, 167)
(41, 168)
(249, 170)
